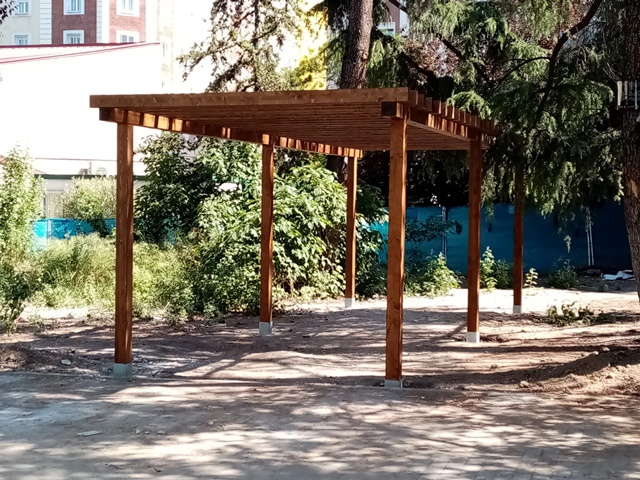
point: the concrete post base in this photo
(349, 302)
(122, 370)
(266, 328)
(473, 337)
(392, 383)
(517, 309)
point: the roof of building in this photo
(25, 53)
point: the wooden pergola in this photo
(336, 122)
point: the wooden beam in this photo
(124, 253)
(171, 124)
(518, 240)
(395, 260)
(473, 272)
(279, 98)
(350, 266)
(266, 241)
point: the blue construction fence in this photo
(61, 228)
(545, 247)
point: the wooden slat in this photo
(124, 247)
(473, 273)
(352, 191)
(518, 239)
(324, 97)
(266, 239)
(395, 259)
(160, 122)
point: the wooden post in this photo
(124, 253)
(518, 240)
(473, 273)
(266, 242)
(350, 267)
(395, 259)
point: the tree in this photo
(7, 7)
(92, 200)
(20, 206)
(630, 68)
(245, 42)
(358, 42)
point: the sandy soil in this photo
(322, 343)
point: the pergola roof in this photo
(341, 122)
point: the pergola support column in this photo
(350, 267)
(473, 272)
(395, 259)
(518, 240)
(266, 242)
(123, 361)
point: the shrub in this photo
(564, 277)
(81, 271)
(531, 278)
(495, 273)
(20, 204)
(15, 289)
(161, 280)
(77, 271)
(569, 314)
(20, 198)
(434, 279)
(92, 200)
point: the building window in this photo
(23, 7)
(21, 39)
(73, 37)
(128, 7)
(74, 7)
(127, 37)
(388, 28)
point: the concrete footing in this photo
(392, 383)
(517, 309)
(266, 328)
(473, 337)
(122, 370)
(349, 302)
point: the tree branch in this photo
(553, 60)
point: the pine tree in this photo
(245, 42)
(7, 7)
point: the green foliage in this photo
(92, 200)
(16, 287)
(20, 205)
(531, 278)
(420, 232)
(244, 43)
(564, 277)
(80, 271)
(568, 314)
(182, 174)
(371, 272)
(76, 272)
(309, 218)
(495, 273)
(432, 279)
(20, 201)
(162, 280)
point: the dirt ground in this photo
(323, 343)
(216, 392)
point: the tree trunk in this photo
(356, 52)
(355, 60)
(631, 133)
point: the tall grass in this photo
(80, 271)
